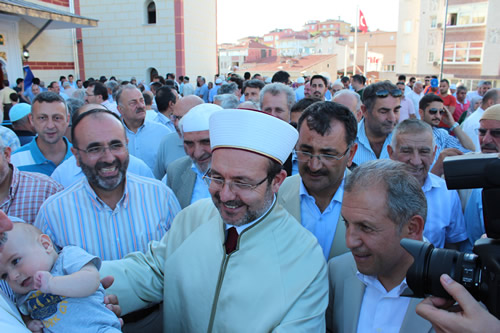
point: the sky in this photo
(242, 18)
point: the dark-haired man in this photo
(97, 93)
(165, 98)
(324, 150)
(319, 86)
(251, 90)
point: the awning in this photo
(39, 15)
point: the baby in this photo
(60, 290)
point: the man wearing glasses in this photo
(325, 149)
(238, 262)
(432, 111)
(97, 93)
(381, 104)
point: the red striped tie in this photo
(232, 240)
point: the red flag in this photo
(362, 22)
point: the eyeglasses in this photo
(384, 93)
(303, 156)
(173, 117)
(98, 151)
(493, 132)
(234, 186)
(434, 111)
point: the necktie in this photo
(232, 239)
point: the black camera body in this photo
(478, 272)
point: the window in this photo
(268, 38)
(406, 59)
(463, 15)
(269, 53)
(152, 13)
(433, 22)
(388, 68)
(463, 52)
(430, 57)
(408, 27)
(263, 53)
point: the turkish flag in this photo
(362, 22)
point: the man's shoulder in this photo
(137, 180)
(290, 183)
(60, 197)
(181, 163)
(36, 177)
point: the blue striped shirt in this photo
(365, 152)
(445, 140)
(77, 216)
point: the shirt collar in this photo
(194, 167)
(372, 281)
(429, 183)
(338, 196)
(242, 228)
(124, 200)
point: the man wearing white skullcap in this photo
(185, 175)
(238, 262)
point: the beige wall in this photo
(491, 53)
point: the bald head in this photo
(182, 107)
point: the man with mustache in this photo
(109, 212)
(144, 137)
(319, 86)
(413, 143)
(325, 149)
(238, 262)
(381, 104)
(432, 111)
(489, 140)
(185, 175)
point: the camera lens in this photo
(430, 263)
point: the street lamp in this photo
(26, 54)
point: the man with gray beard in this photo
(108, 212)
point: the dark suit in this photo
(346, 297)
(181, 179)
(289, 197)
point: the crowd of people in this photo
(245, 204)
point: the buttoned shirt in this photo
(162, 119)
(444, 140)
(145, 142)
(203, 92)
(200, 190)
(415, 98)
(445, 221)
(9, 138)
(474, 218)
(77, 216)
(406, 109)
(68, 172)
(27, 192)
(30, 158)
(322, 224)
(470, 124)
(111, 106)
(365, 152)
(381, 310)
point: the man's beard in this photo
(105, 183)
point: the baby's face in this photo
(21, 257)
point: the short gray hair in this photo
(412, 126)
(227, 101)
(349, 92)
(277, 88)
(405, 197)
(122, 89)
(227, 88)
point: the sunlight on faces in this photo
(370, 235)
(26, 252)
(50, 121)
(132, 106)
(432, 119)
(318, 89)
(489, 144)
(197, 147)
(252, 94)
(384, 115)
(242, 207)
(415, 150)
(276, 105)
(319, 176)
(107, 171)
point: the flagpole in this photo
(444, 40)
(346, 47)
(366, 59)
(355, 42)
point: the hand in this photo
(111, 301)
(470, 316)
(447, 118)
(42, 281)
(35, 326)
(438, 168)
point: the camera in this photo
(478, 272)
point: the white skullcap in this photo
(197, 118)
(453, 86)
(218, 81)
(253, 131)
(301, 80)
(268, 80)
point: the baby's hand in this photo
(35, 326)
(42, 280)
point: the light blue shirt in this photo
(212, 93)
(445, 221)
(162, 119)
(204, 91)
(200, 190)
(444, 140)
(299, 93)
(474, 218)
(69, 172)
(30, 158)
(144, 144)
(295, 164)
(322, 225)
(365, 152)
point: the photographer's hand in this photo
(470, 317)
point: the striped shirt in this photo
(27, 193)
(445, 140)
(77, 216)
(365, 152)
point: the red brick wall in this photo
(48, 65)
(64, 3)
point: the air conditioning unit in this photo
(439, 25)
(436, 63)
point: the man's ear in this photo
(278, 180)
(75, 153)
(415, 227)
(390, 151)
(352, 153)
(46, 242)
